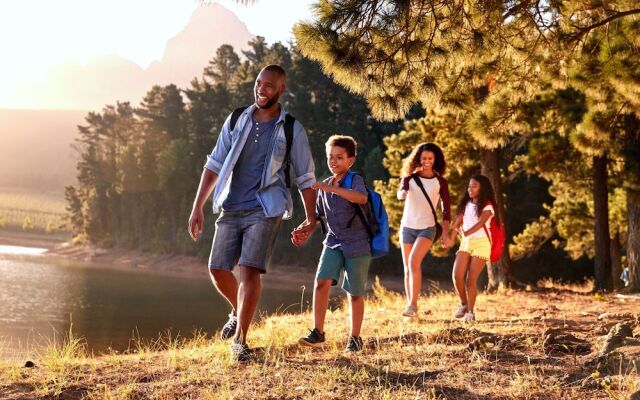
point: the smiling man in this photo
(248, 169)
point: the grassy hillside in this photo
(541, 345)
(31, 210)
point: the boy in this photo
(346, 245)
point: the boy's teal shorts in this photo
(356, 269)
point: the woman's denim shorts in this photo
(409, 235)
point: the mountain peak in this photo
(188, 52)
(110, 78)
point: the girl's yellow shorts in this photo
(479, 247)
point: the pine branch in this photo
(582, 31)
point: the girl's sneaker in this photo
(469, 316)
(411, 311)
(313, 339)
(461, 311)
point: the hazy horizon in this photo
(83, 67)
(36, 148)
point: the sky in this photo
(36, 35)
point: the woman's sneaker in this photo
(229, 329)
(354, 344)
(461, 311)
(313, 339)
(469, 317)
(411, 311)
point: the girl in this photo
(423, 176)
(474, 214)
(347, 244)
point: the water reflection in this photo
(19, 250)
(39, 296)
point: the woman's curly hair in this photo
(412, 162)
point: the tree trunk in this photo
(616, 262)
(499, 271)
(631, 152)
(633, 240)
(602, 262)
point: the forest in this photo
(542, 98)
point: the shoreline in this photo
(170, 265)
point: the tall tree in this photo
(460, 53)
(223, 66)
(606, 69)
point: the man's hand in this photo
(300, 235)
(196, 221)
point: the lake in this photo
(42, 296)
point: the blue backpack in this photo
(374, 217)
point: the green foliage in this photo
(592, 113)
(139, 166)
(399, 53)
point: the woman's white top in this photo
(417, 212)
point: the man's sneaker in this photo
(461, 311)
(469, 317)
(354, 344)
(229, 329)
(313, 339)
(240, 352)
(410, 311)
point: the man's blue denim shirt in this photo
(273, 194)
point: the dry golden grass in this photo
(501, 356)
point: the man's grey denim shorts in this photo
(243, 238)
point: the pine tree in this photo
(602, 68)
(223, 66)
(606, 69)
(478, 58)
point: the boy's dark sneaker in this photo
(229, 329)
(354, 344)
(240, 352)
(313, 339)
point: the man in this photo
(247, 170)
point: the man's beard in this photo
(273, 100)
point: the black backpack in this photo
(289, 120)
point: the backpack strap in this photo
(235, 115)
(289, 120)
(348, 182)
(484, 226)
(416, 178)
